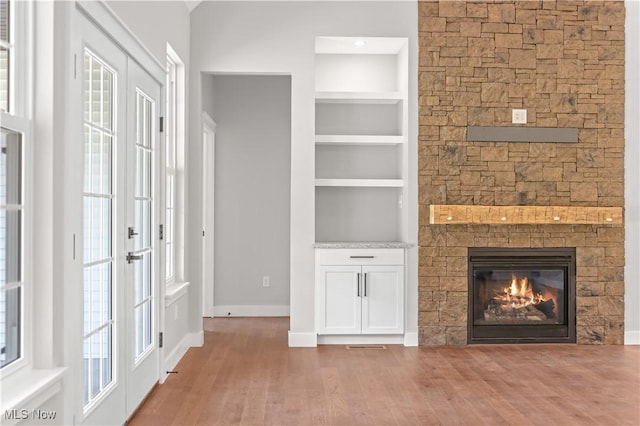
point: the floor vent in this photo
(366, 347)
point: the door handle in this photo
(365, 284)
(358, 284)
(131, 257)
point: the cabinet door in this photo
(382, 300)
(339, 300)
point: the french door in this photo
(142, 260)
(121, 104)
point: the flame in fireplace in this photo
(519, 294)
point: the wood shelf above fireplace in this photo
(524, 215)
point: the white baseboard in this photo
(302, 340)
(196, 340)
(189, 340)
(632, 338)
(251, 311)
(363, 339)
(411, 338)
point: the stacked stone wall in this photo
(562, 61)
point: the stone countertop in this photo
(362, 245)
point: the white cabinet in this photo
(360, 292)
(339, 300)
(361, 126)
(382, 299)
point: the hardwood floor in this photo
(246, 374)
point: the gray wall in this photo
(252, 189)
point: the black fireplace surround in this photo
(522, 295)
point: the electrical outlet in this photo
(265, 281)
(519, 116)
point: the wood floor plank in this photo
(245, 374)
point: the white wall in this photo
(252, 193)
(279, 37)
(207, 94)
(155, 23)
(632, 176)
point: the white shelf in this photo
(358, 140)
(371, 183)
(359, 97)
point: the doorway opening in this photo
(252, 194)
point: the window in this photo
(14, 144)
(174, 131)
(171, 136)
(6, 53)
(10, 245)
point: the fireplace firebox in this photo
(522, 295)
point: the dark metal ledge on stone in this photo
(521, 134)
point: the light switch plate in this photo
(519, 116)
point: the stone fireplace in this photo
(564, 63)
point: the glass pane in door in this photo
(98, 197)
(143, 205)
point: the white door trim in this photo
(208, 213)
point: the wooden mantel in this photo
(524, 215)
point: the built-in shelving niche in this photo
(361, 138)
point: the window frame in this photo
(19, 119)
(20, 49)
(174, 166)
(170, 169)
(8, 45)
